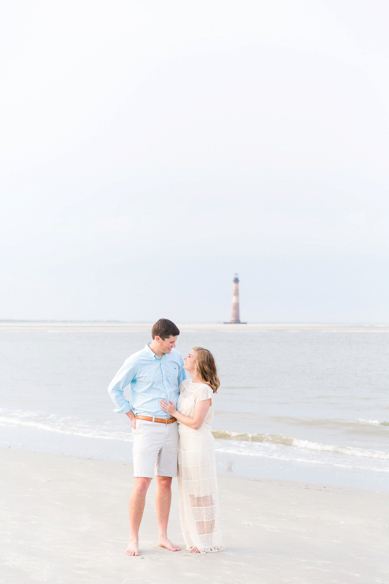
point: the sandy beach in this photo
(65, 520)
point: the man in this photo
(154, 373)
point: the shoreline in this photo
(229, 463)
(66, 521)
(102, 325)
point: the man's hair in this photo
(164, 328)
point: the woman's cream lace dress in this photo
(197, 482)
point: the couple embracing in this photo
(170, 417)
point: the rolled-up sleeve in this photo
(116, 388)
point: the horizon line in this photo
(142, 322)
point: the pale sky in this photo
(152, 149)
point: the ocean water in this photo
(298, 403)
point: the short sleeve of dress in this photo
(182, 386)
(205, 392)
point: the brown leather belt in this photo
(160, 420)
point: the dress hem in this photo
(205, 550)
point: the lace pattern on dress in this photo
(199, 499)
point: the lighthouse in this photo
(235, 301)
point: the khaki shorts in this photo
(155, 449)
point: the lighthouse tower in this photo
(235, 301)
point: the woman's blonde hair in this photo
(206, 368)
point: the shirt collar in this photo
(150, 352)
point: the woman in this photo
(197, 482)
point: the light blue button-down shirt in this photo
(150, 379)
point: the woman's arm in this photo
(200, 412)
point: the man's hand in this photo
(132, 418)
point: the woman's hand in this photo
(168, 407)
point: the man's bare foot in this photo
(132, 548)
(194, 551)
(164, 542)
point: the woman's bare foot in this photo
(166, 543)
(194, 551)
(132, 548)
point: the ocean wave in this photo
(76, 427)
(305, 457)
(372, 422)
(333, 423)
(247, 437)
(62, 427)
(348, 450)
(298, 443)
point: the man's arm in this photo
(131, 415)
(116, 388)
